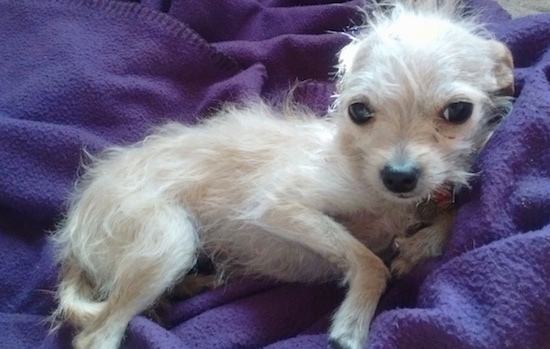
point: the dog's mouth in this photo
(405, 198)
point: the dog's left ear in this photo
(503, 69)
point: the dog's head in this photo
(420, 91)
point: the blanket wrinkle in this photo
(240, 288)
(243, 323)
(300, 56)
(256, 20)
(528, 40)
(80, 74)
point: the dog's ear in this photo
(347, 56)
(503, 69)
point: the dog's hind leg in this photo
(365, 273)
(151, 264)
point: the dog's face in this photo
(418, 96)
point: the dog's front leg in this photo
(426, 243)
(365, 273)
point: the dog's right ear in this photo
(347, 56)
(503, 69)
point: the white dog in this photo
(258, 190)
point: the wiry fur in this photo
(258, 189)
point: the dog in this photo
(288, 195)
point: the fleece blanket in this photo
(91, 73)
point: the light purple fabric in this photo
(92, 73)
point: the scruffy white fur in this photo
(259, 189)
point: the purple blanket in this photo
(91, 73)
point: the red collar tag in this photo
(444, 196)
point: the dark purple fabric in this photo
(77, 74)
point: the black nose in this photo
(400, 179)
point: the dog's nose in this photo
(400, 179)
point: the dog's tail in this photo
(76, 303)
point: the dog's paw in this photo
(400, 267)
(407, 254)
(343, 343)
(409, 251)
(348, 334)
(334, 343)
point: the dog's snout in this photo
(400, 179)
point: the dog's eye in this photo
(458, 112)
(359, 113)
